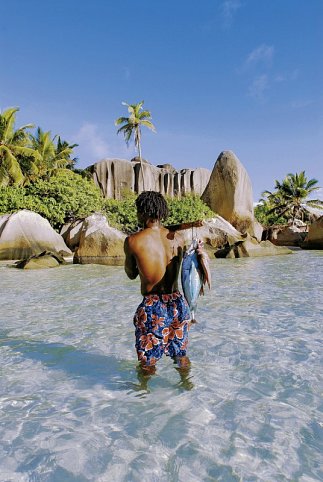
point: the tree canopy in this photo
(131, 127)
(25, 157)
(290, 199)
(15, 149)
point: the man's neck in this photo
(152, 224)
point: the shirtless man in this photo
(155, 253)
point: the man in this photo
(155, 253)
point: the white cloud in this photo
(228, 9)
(262, 54)
(258, 87)
(286, 77)
(92, 146)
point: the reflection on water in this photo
(75, 407)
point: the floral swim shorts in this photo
(162, 324)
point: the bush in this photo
(122, 214)
(11, 199)
(265, 218)
(68, 195)
(187, 209)
(61, 197)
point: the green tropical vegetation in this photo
(187, 209)
(62, 197)
(132, 125)
(289, 200)
(122, 214)
(37, 172)
(54, 154)
(25, 157)
(16, 154)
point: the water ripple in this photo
(73, 407)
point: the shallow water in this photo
(73, 409)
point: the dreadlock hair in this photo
(152, 204)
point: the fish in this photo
(194, 274)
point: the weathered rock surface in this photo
(99, 243)
(114, 176)
(71, 232)
(214, 232)
(258, 230)
(224, 241)
(46, 259)
(25, 233)
(314, 238)
(250, 247)
(285, 235)
(229, 192)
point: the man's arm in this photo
(130, 265)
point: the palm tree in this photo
(53, 157)
(15, 149)
(290, 197)
(132, 125)
(63, 153)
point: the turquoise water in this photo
(73, 409)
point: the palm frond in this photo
(10, 165)
(148, 124)
(27, 152)
(121, 120)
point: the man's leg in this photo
(183, 362)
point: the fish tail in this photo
(193, 320)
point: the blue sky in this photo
(240, 75)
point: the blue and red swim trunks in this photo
(162, 324)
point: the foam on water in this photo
(72, 406)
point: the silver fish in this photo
(192, 277)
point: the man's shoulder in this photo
(134, 238)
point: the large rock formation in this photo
(99, 243)
(44, 260)
(71, 233)
(215, 233)
(25, 233)
(222, 240)
(229, 192)
(314, 238)
(285, 235)
(114, 176)
(251, 248)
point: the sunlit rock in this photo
(314, 238)
(25, 233)
(99, 243)
(113, 176)
(214, 233)
(71, 232)
(286, 235)
(117, 176)
(258, 230)
(250, 248)
(44, 260)
(229, 192)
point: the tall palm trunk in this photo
(140, 157)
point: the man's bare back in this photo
(155, 253)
